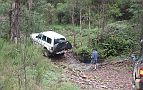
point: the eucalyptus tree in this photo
(14, 16)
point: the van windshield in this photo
(58, 40)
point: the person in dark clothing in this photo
(94, 57)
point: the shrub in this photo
(117, 38)
(84, 53)
(115, 45)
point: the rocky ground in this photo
(114, 75)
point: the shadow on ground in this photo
(57, 58)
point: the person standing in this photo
(94, 57)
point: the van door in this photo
(46, 42)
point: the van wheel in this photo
(68, 45)
(45, 52)
(62, 54)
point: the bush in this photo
(84, 54)
(115, 45)
(118, 38)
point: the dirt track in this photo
(108, 76)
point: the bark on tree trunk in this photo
(73, 25)
(89, 18)
(80, 20)
(99, 12)
(103, 16)
(73, 15)
(89, 26)
(14, 20)
(80, 25)
(30, 4)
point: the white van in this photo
(52, 42)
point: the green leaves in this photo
(4, 7)
(137, 11)
(114, 10)
(84, 53)
(115, 45)
(117, 38)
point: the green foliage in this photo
(115, 45)
(114, 10)
(83, 50)
(2, 44)
(63, 14)
(114, 40)
(117, 39)
(84, 53)
(9, 83)
(39, 6)
(67, 86)
(50, 14)
(137, 10)
(4, 7)
(39, 71)
(122, 29)
(33, 22)
(61, 7)
(4, 29)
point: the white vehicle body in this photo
(49, 40)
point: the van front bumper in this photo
(61, 52)
(139, 84)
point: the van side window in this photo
(49, 40)
(44, 38)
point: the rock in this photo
(103, 86)
(83, 76)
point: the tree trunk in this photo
(73, 15)
(89, 26)
(103, 16)
(89, 18)
(81, 25)
(99, 12)
(30, 4)
(14, 20)
(80, 19)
